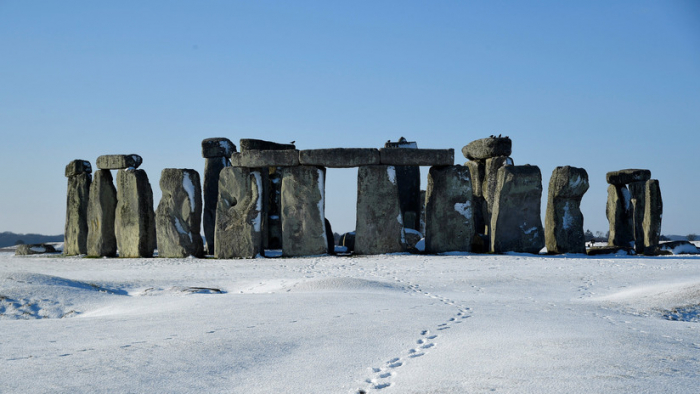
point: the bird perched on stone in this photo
(292, 142)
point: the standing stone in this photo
(303, 211)
(178, 214)
(488, 189)
(102, 240)
(516, 225)
(620, 216)
(379, 228)
(216, 153)
(330, 237)
(477, 172)
(274, 209)
(408, 180)
(449, 210)
(78, 194)
(637, 198)
(653, 211)
(239, 214)
(135, 224)
(563, 219)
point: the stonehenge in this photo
(271, 196)
(634, 210)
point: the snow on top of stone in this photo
(412, 231)
(189, 188)
(575, 181)
(528, 231)
(391, 172)
(464, 209)
(225, 144)
(258, 203)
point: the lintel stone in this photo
(265, 158)
(247, 144)
(217, 147)
(118, 162)
(339, 157)
(77, 167)
(417, 157)
(624, 177)
(486, 148)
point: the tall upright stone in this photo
(477, 172)
(179, 214)
(216, 153)
(239, 214)
(516, 225)
(379, 228)
(303, 211)
(620, 216)
(79, 174)
(563, 220)
(637, 191)
(102, 240)
(488, 189)
(449, 213)
(408, 180)
(653, 211)
(135, 224)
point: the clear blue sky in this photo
(603, 85)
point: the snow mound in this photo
(344, 284)
(36, 296)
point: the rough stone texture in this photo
(265, 158)
(330, 237)
(179, 214)
(102, 208)
(408, 180)
(76, 232)
(212, 168)
(417, 157)
(239, 214)
(489, 186)
(339, 157)
(624, 177)
(563, 220)
(77, 167)
(135, 224)
(516, 225)
(637, 198)
(620, 216)
(477, 172)
(247, 144)
(29, 249)
(348, 240)
(488, 147)
(217, 147)
(118, 162)
(303, 211)
(653, 211)
(379, 228)
(449, 217)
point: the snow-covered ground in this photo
(384, 324)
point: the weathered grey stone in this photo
(412, 238)
(247, 144)
(638, 198)
(77, 167)
(265, 158)
(135, 224)
(303, 211)
(339, 157)
(653, 211)
(516, 225)
(488, 147)
(379, 228)
(330, 237)
(178, 214)
(563, 220)
(477, 172)
(620, 216)
(417, 157)
(274, 209)
(239, 214)
(348, 240)
(624, 177)
(102, 208)
(490, 184)
(449, 216)
(217, 147)
(212, 168)
(76, 232)
(29, 249)
(118, 162)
